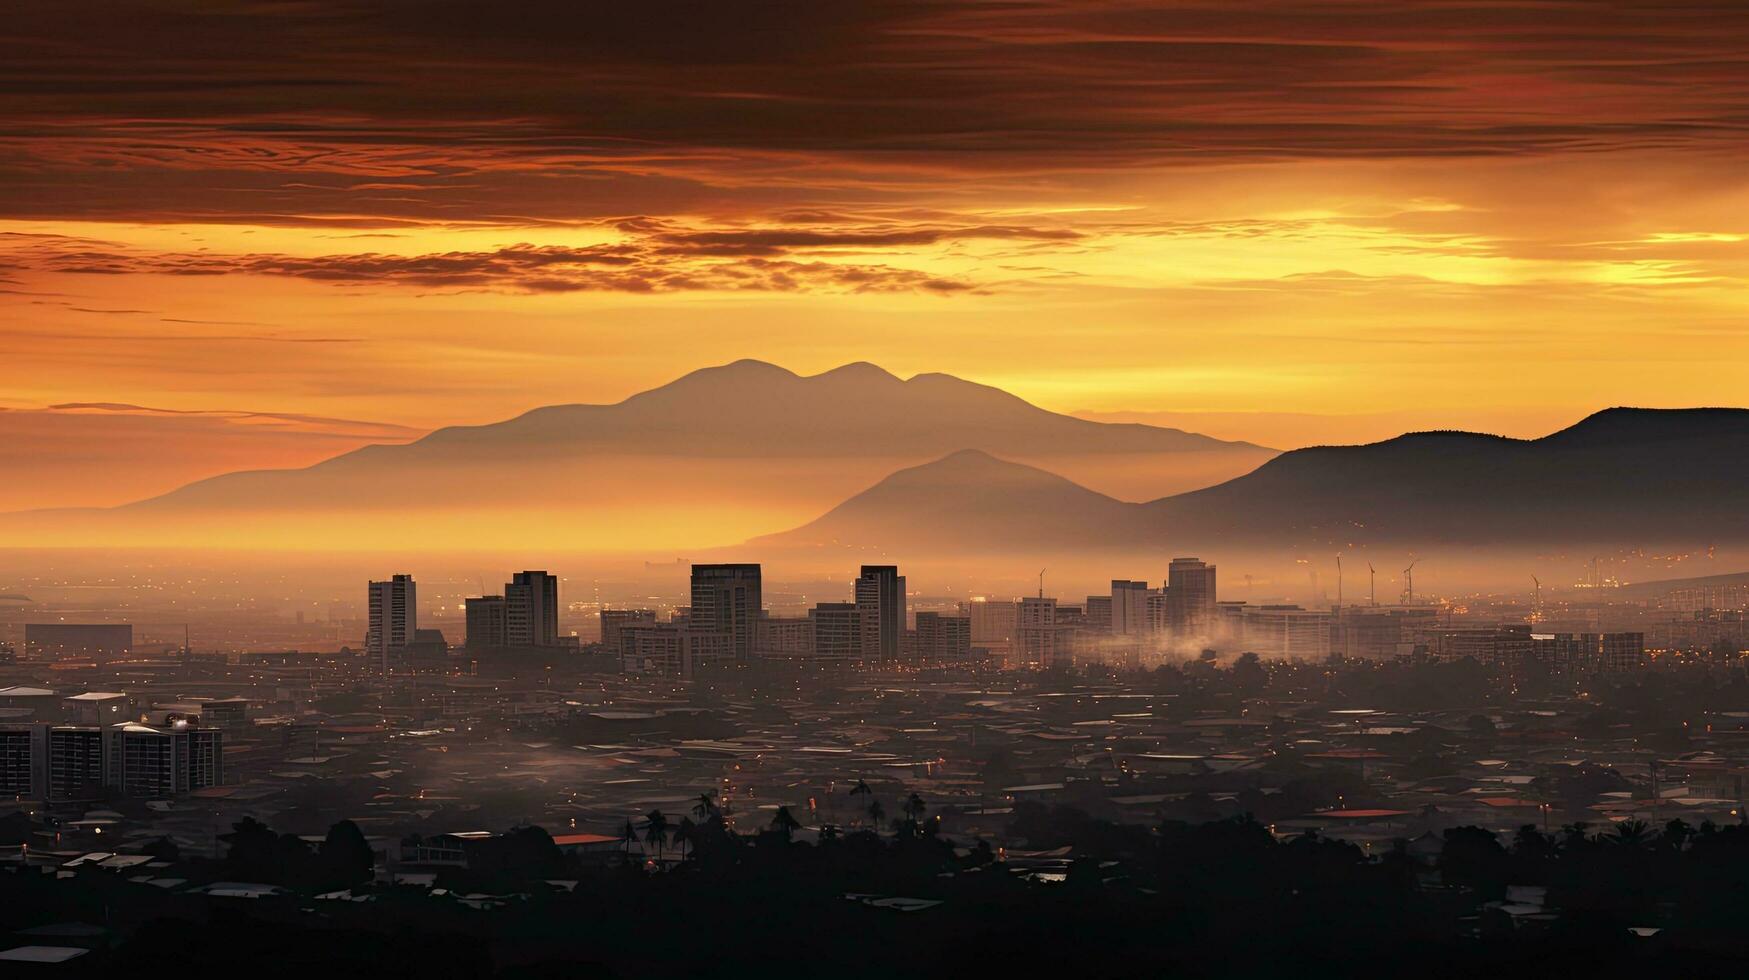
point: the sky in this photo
(1294, 221)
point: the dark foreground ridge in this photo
(1223, 898)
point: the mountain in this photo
(971, 502)
(715, 456)
(1623, 477)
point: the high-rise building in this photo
(1190, 600)
(1287, 632)
(670, 648)
(785, 637)
(394, 615)
(24, 761)
(166, 760)
(1037, 630)
(1129, 607)
(487, 617)
(613, 621)
(1099, 613)
(838, 633)
(531, 610)
(880, 594)
(995, 626)
(943, 638)
(727, 598)
(78, 763)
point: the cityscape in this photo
(1113, 488)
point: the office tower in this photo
(1129, 607)
(24, 761)
(880, 594)
(1038, 633)
(995, 625)
(668, 648)
(394, 615)
(166, 760)
(943, 638)
(1190, 600)
(1286, 632)
(838, 632)
(1099, 613)
(1157, 611)
(531, 610)
(486, 619)
(78, 763)
(613, 621)
(787, 637)
(727, 599)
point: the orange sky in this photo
(1316, 221)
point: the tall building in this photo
(727, 599)
(880, 594)
(78, 763)
(487, 618)
(1037, 630)
(785, 637)
(394, 615)
(613, 621)
(943, 638)
(995, 626)
(1287, 632)
(837, 631)
(1190, 600)
(1099, 609)
(1129, 607)
(24, 761)
(669, 648)
(531, 610)
(166, 760)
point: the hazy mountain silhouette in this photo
(969, 501)
(716, 455)
(1622, 476)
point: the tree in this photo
(861, 789)
(706, 807)
(875, 813)
(656, 832)
(684, 834)
(1631, 833)
(252, 853)
(346, 857)
(1249, 675)
(628, 835)
(785, 823)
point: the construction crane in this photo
(1372, 585)
(1536, 602)
(1041, 582)
(1409, 580)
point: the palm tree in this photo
(913, 814)
(785, 823)
(875, 813)
(1630, 833)
(683, 834)
(627, 835)
(706, 807)
(861, 789)
(657, 833)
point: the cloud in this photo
(334, 109)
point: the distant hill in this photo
(1622, 476)
(971, 502)
(713, 457)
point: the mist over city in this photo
(1113, 488)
